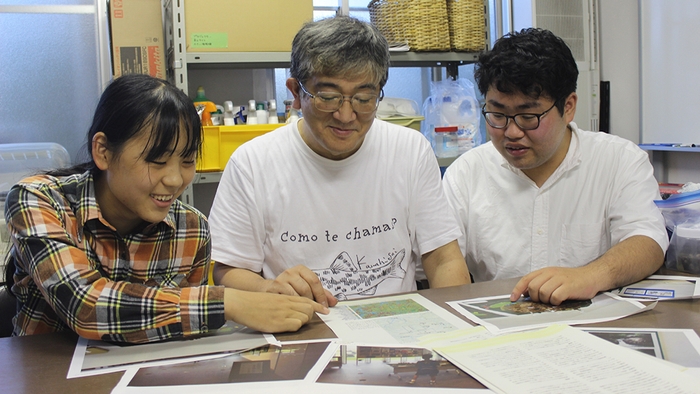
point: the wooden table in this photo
(39, 363)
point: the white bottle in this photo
(293, 115)
(272, 112)
(228, 114)
(261, 113)
(252, 116)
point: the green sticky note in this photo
(209, 40)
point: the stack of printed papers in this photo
(563, 359)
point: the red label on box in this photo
(118, 13)
(155, 63)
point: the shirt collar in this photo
(87, 209)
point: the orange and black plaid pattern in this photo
(75, 271)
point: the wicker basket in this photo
(422, 24)
(467, 24)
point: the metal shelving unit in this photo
(179, 61)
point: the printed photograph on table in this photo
(401, 367)
(390, 320)
(644, 342)
(265, 364)
(93, 357)
(499, 307)
(498, 314)
(680, 346)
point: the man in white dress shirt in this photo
(570, 211)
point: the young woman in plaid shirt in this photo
(105, 248)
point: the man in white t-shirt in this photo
(339, 204)
(570, 211)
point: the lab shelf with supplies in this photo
(181, 64)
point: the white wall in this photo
(620, 64)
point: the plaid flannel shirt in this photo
(73, 270)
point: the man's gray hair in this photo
(340, 46)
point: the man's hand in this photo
(268, 312)
(301, 281)
(554, 285)
(627, 262)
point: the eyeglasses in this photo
(499, 120)
(331, 101)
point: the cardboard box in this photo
(136, 28)
(244, 26)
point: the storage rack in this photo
(179, 61)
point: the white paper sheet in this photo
(662, 288)
(679, 346)
(392, 320)
(563, 359)
(392, 369)
(97, 357)
(499, 315)
(268, 369)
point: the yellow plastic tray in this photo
(220, 142)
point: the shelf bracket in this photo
(452, 70)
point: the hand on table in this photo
(269, 312)
(554, 285)
(301, 281)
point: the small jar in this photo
(446, 141)
(687, 245)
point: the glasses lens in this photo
(527, 121)
(328, 101)
(364, 102)
(331, 102)
(496, 119)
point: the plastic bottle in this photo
(272, 112)
(261, 113)
(287, 108)
(252, 116)
(228, 114)
(204, 106)
(293, 115)
(446, 141)
(206, 118)
(200, 95)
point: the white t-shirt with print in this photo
(361, 223)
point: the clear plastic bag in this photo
(682, 216)
(453, 103)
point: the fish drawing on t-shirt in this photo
(346, 278)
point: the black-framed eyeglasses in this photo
(332, 101)
(499, 120)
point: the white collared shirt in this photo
(602, 193)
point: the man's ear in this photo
(570, 107)
(293, 86)
(101, 155)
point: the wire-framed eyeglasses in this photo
(525, 121)
(332, 101)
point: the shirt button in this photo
(540, 232)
